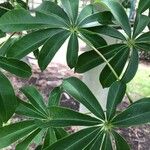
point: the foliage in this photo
(46, 31)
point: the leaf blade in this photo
(132, 67)
(117, 62)
(63, 117)
(47, 52)
(11, 133)
(81, 93)
(136, 114)
(115, 96)
(72, 50)
(77, 140)
(30, 42)
(7, 99)
(15, 66)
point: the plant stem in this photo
(4, 8)
(106, 61)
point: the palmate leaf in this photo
(140, 23)
(63, 117)
(120, 142)
(28, 110)
(50, 138)
(13, 21)
(51, 47)
(37, 111)
(35, 98)
(143, 46)
(14, 132)
(53, 135)
(118, 62)
(71, 8)
(87, 11)
(78, 140)
(30, 42)
(6, 45)
(48, 7)
(72, 50)
(145, 38)
(136, 114)
(8, 102)
(77, 89)
(15, 66)
(95, 39)
(91, 59)
(132, 67)
(90, 21)
(96, 143)
(60, 133)
(143, 42)
(54, 97)
(109, 31)
(143, 5)
(119, 14)
(23, 145)
(115, 96)
(107, 145)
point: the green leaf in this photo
(50, 138)
(2, 34)
(6, 5)
(77, 89)
(90, 21)
(143, 46)
(8, 102)
(60, 133)
(23, 145)
(91, 59)
(63, 117)
(11, 133)
(54, 97)
(107, 145)
(72, 50)
(22, 4)
(143, 5)
(140, 23)
(28, 110)
(118, 62)
(78, 140)
(71, 8)
(136, 114)
(6, 45)
(119, 14)
(35, 98)
(115, 96)
(109, 31)
(120, 142)
(105, 18)
(96, 143)
(30, 42)
(51, 47)
(87, 11)
(145, 37)
(17, 67)
(132, 67)
(93, 38)
(48, 7)
(13, 21)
